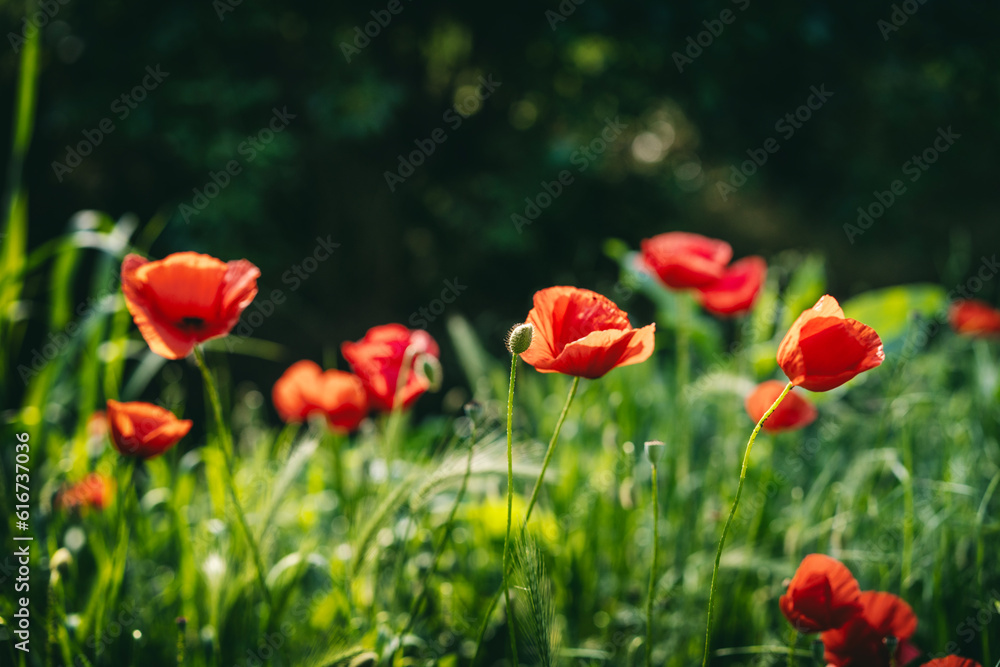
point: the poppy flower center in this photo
(191, 324)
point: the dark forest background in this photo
(563, 70)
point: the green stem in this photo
(652, 573)
(531, 505)
(683, 362)
(732, 513)
(226, 440)
(908, 517)
(510, 504)
(552, 448)
(792, 641)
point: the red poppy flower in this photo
(186, 298)
(823, 349)
(795, 411)
(378, 359)
(860, 641)
(735, 292)
(582, 333)
(684, 260)
(823, 595)
(974, 318)
(144, 430)
(305, 389)
(952, 661)
(92, 491)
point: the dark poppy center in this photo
(192, 324)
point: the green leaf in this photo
(890, 310)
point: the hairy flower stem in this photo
(510, 504)
(732, 513)
(652, 572)
(226, 438)
(531, 505)
(552, 448)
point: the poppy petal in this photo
(823, 350)
(582, 333)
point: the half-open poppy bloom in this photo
(682, 259)
(823, 349)
(974, 318)
(794, 412)
(736, 291)
(861, 641)
(378, 359)
(952, 661)
(822, 595)
(304, 389)
(143, 430)
(583, 333)
(93, 491)
(186, 298)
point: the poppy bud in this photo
(654, 450)
(428, 368)
(519, 338)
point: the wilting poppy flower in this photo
(682, 259)
(952, 661)
(794, 412)
(582, 333)
(143, 430)
(186, 298)
(823, 349)
(860, 641)
(735, 292)
(823, 595)
(304, 389)
(974, 318)
(378, 359)
(93, 491)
